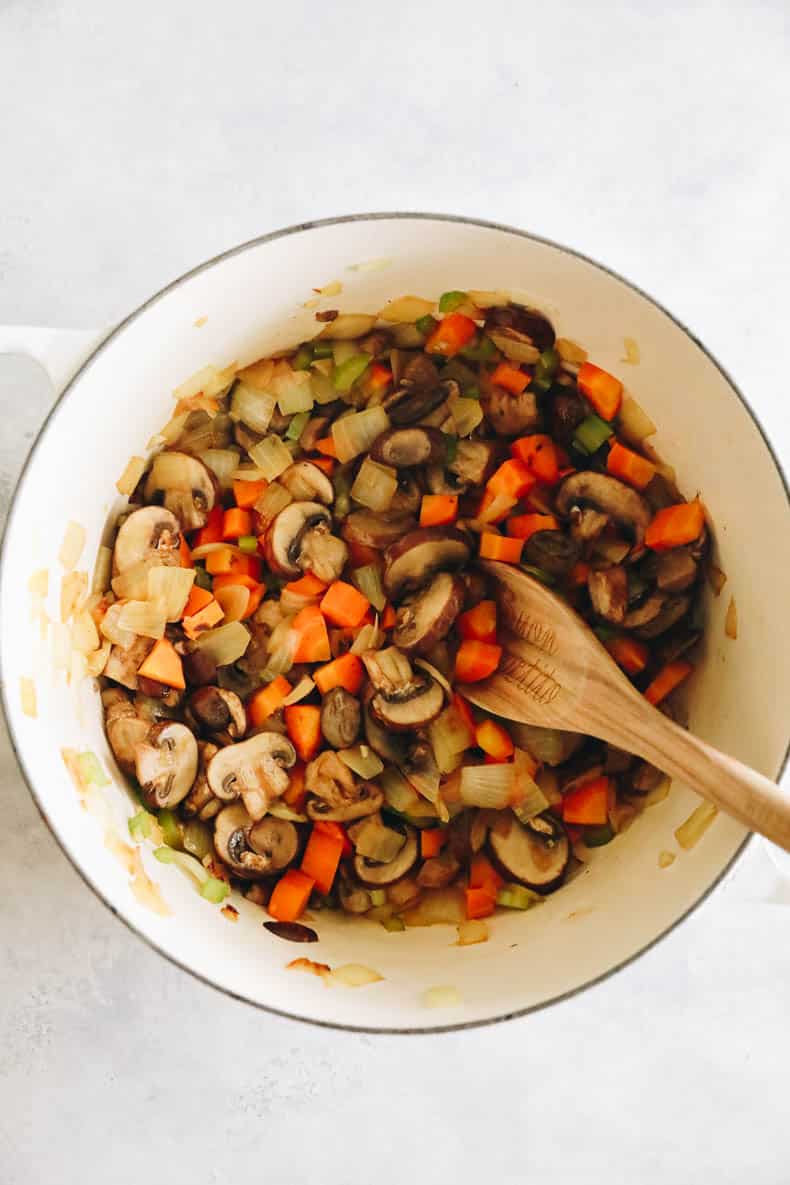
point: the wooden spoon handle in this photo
(733, 787)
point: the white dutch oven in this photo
(252, 300)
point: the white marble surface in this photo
(139, 139)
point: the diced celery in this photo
(202, 578)
(604, 632)
(472, 393)
(140, 825)
(297, 425)
(90, 769)
(378, 896)
(214, 890)
(323, 350)
(426, 324)
(198, 839)
(517, 897)
(347, 373)
(394, 924)
(248, 543)
(547, 365)
(171, 830)
(480, 351)
(303, 357)
(592, 433)
(450, 301)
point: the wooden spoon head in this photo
(554, 672)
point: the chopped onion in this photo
(96, 661)
(273, 499)
(632, 353)
(399, 794)
(569, 351)
(368, 581)
(258, 375)
(223, 462)
(633, 423)
(132, 583)
(300, 691)
(143, 617)
(321, 381)
(488, 300)
(354, 975)
(102, 570)
(665, 859)
(375, 485)
(471, 932)
(487, 785)
(348, 326)
(200, 553)
(437, 907)
(369, 637)
(171, 431)
(466, 414)
(225, 644)
(407, 336)
(731, 620)
(170, 587)
(127, 482)
(111, 629)
(271, 456)
(695, 826)
(209, 382)
(233, 600)
(294, 392)
(291, 602)
(84, 635)
(407, 308)
(27, 697)
(73, 543)
(449, 738)
(434, 673)
(497, 509)
(362, 760)
(73, 589)
(355, 434)
(251, 407)
(513, 349)
(441, 997)
(246, 472)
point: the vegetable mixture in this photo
(293, 608)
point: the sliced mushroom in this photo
(389, 670)
(353, 898)
(374, 840)
(217, 710)
(608, 590)
(151, 535)
(474, 461)
(125, 729)
(245, 437)
(510, 415)
(200, 668)
(648, 611)
(300, 540)
(407, 497)
(439, 481)
(274, 840)
(254, 769)
(567, 412)
(376, 530)
(340, 718)
(165, 764)
(676, 570)
(418, 392)
(553, 551)
(201, 802)
(529, 322)
(404, 448)
(672, 609)
(535, 854)
(305, 482)
(438, 871)
(411, 707)
(336, 793)
(365, 799)
(122, 665)
(426, 617)
(388, 746)
(371, 873)
(645, 778)
(318, 427)
(183, 485)
(587, 523)
(253, 849)
(609, 496)
(412, 560)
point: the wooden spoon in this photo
(554, 672)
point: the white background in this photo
(138, 139)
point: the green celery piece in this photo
(592, 433)
(297, 425)
(248, 543)
(394, 924)
(450, 301)
(378, 896)
(214, 890)
(517, 897)
(426, 324)
(171, 832)
(303, 357)
(202, 578)
(322, 350)
(140, 825)
(349, 371)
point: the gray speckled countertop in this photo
(140, 139)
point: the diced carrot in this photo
(344, 605)
(479, 622)
(438, 509)
(483, 875)
(198, 599)
(511, 378)
(312, 639)
(494, 740)
(524, 526)
(512, 479)
(579, 573)
(236, 522)
(247, 493)
(307, 586)
(184, 558)
(205, 619)
(338, 831)
(540, 454)
(465, 712)
(490, 760)
(267, 700)
(479, 903)
(451, 335)
(432, 840)
(295, 795)
(225, 559)
(325, 464)
(256, 596)
(321, 858)
(667, 679)
(291, 894)
(476, 660)
(676, 526)
(388, 617)
(500, 547)
(589, 803)
(378, 377)
(163, 664)
(326, 445)
(629, 653)
(212, 532)
(624, 463)
(303, 724)
(603, 390)
(346, 671)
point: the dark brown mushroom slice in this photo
(530, 322)
(427, 616)
(318, 426)
(340, 718)
(183, 485)
(376, 342)
(567, 412)
(370, 529)
(411, 707)
(580, 777)
(511, 415)
(474, 461)
(535, 854)
(199, 668)
(553, 551)
(407, 497)
(217, 710)
(371, 873)
(608, 588)
(609, 496)
(390, 748)
(617, 761)
(677, 643)
(676, 570)
(151, 534)
(410, 403)
(661, 493)
(672, 610)
(408, 447)
(122, 665)
(439, 871)
(587, 523)
(285, 537)
(232, 829)
(440, 481)
(166, 764)
(276, 840)
(352, 896)
(245, 437)
(412, 560)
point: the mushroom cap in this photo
(536, 854)
(166, 764)
(253, 849)
(412, 560)
(365, 798)
(340, 718)
(254, 769)
(371, 529)
(125, 729)
(426, 617)
(306, 482)
(184, 485)
(403, 448)
(609, 496)
(286, 535)
(218, 710)
(372, 873)
(152, 534)
(411, 707)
